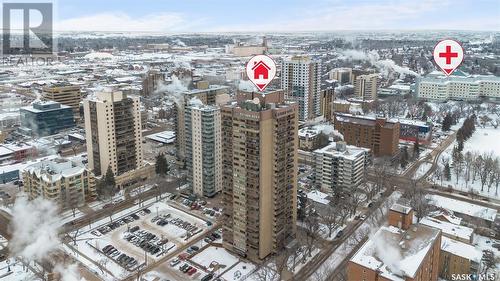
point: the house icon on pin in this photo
(260, 70)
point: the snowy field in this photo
(484, 140)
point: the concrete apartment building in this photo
(113, 133)
(151, 81)
(326, 103)
(400, 251)
(208, 95)
(44, 118)
(366, 86)
(203, 149)
(67, 183)
(441, 88)
(340, 166)
(381, 135)
(66, 94)
(342, 75)
(301, 80)
(259, 144)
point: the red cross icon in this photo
(448, 55)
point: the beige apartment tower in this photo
(64, 93)
(366, 86)
(113, 133)
(259, 166)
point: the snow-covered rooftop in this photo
(463, 207)
(460, 249)
(449, 229)
(396, 253)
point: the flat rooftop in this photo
(397, 254)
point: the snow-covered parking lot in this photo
(117, 246)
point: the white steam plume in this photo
(69, 272)
(388, 254)
(35, 226)
(329, 130)
(175, 90)
(178, 42)
(385, 66)
(195, 101)
(246, 86)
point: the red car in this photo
(191, 271)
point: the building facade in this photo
(366, 86)
(46, 118)
(400, 251)
(66, 94)
(301, 79)
(378, 134)
(207, 95)
(326, 103)
(151, 81)
(203, 149)
(440, 88)
(342, 75)
(67, 183)
(340, 166)
(113, 133)
(259, 144)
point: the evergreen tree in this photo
(460, 145)
(109, 178)
(161, 166)
(447, 122)
(416, 149)
(403, 160)
(447, 172)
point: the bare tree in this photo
(354, 201)
(468, 160)
(487, 167)
(331, 219)
(418, 200)
(488, 260)
(311, 233)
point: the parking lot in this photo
(129, 240)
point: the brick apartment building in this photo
(381, 135)
(400, 251)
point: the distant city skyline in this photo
(268, 16)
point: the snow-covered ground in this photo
(422, 169)
(484, 140)
(18, 272)
(90, 240)
(370, 225)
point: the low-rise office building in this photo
(46, 118)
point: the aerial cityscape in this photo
(211, 140)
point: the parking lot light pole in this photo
(157, 211)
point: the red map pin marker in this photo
(261, 70)
(448, 55)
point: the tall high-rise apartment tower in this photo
(301, 79)
(113, 132)
(259, 171)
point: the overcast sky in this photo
(274, 15)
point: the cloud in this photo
(122, 22)
(329, 15)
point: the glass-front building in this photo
(46, 118)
